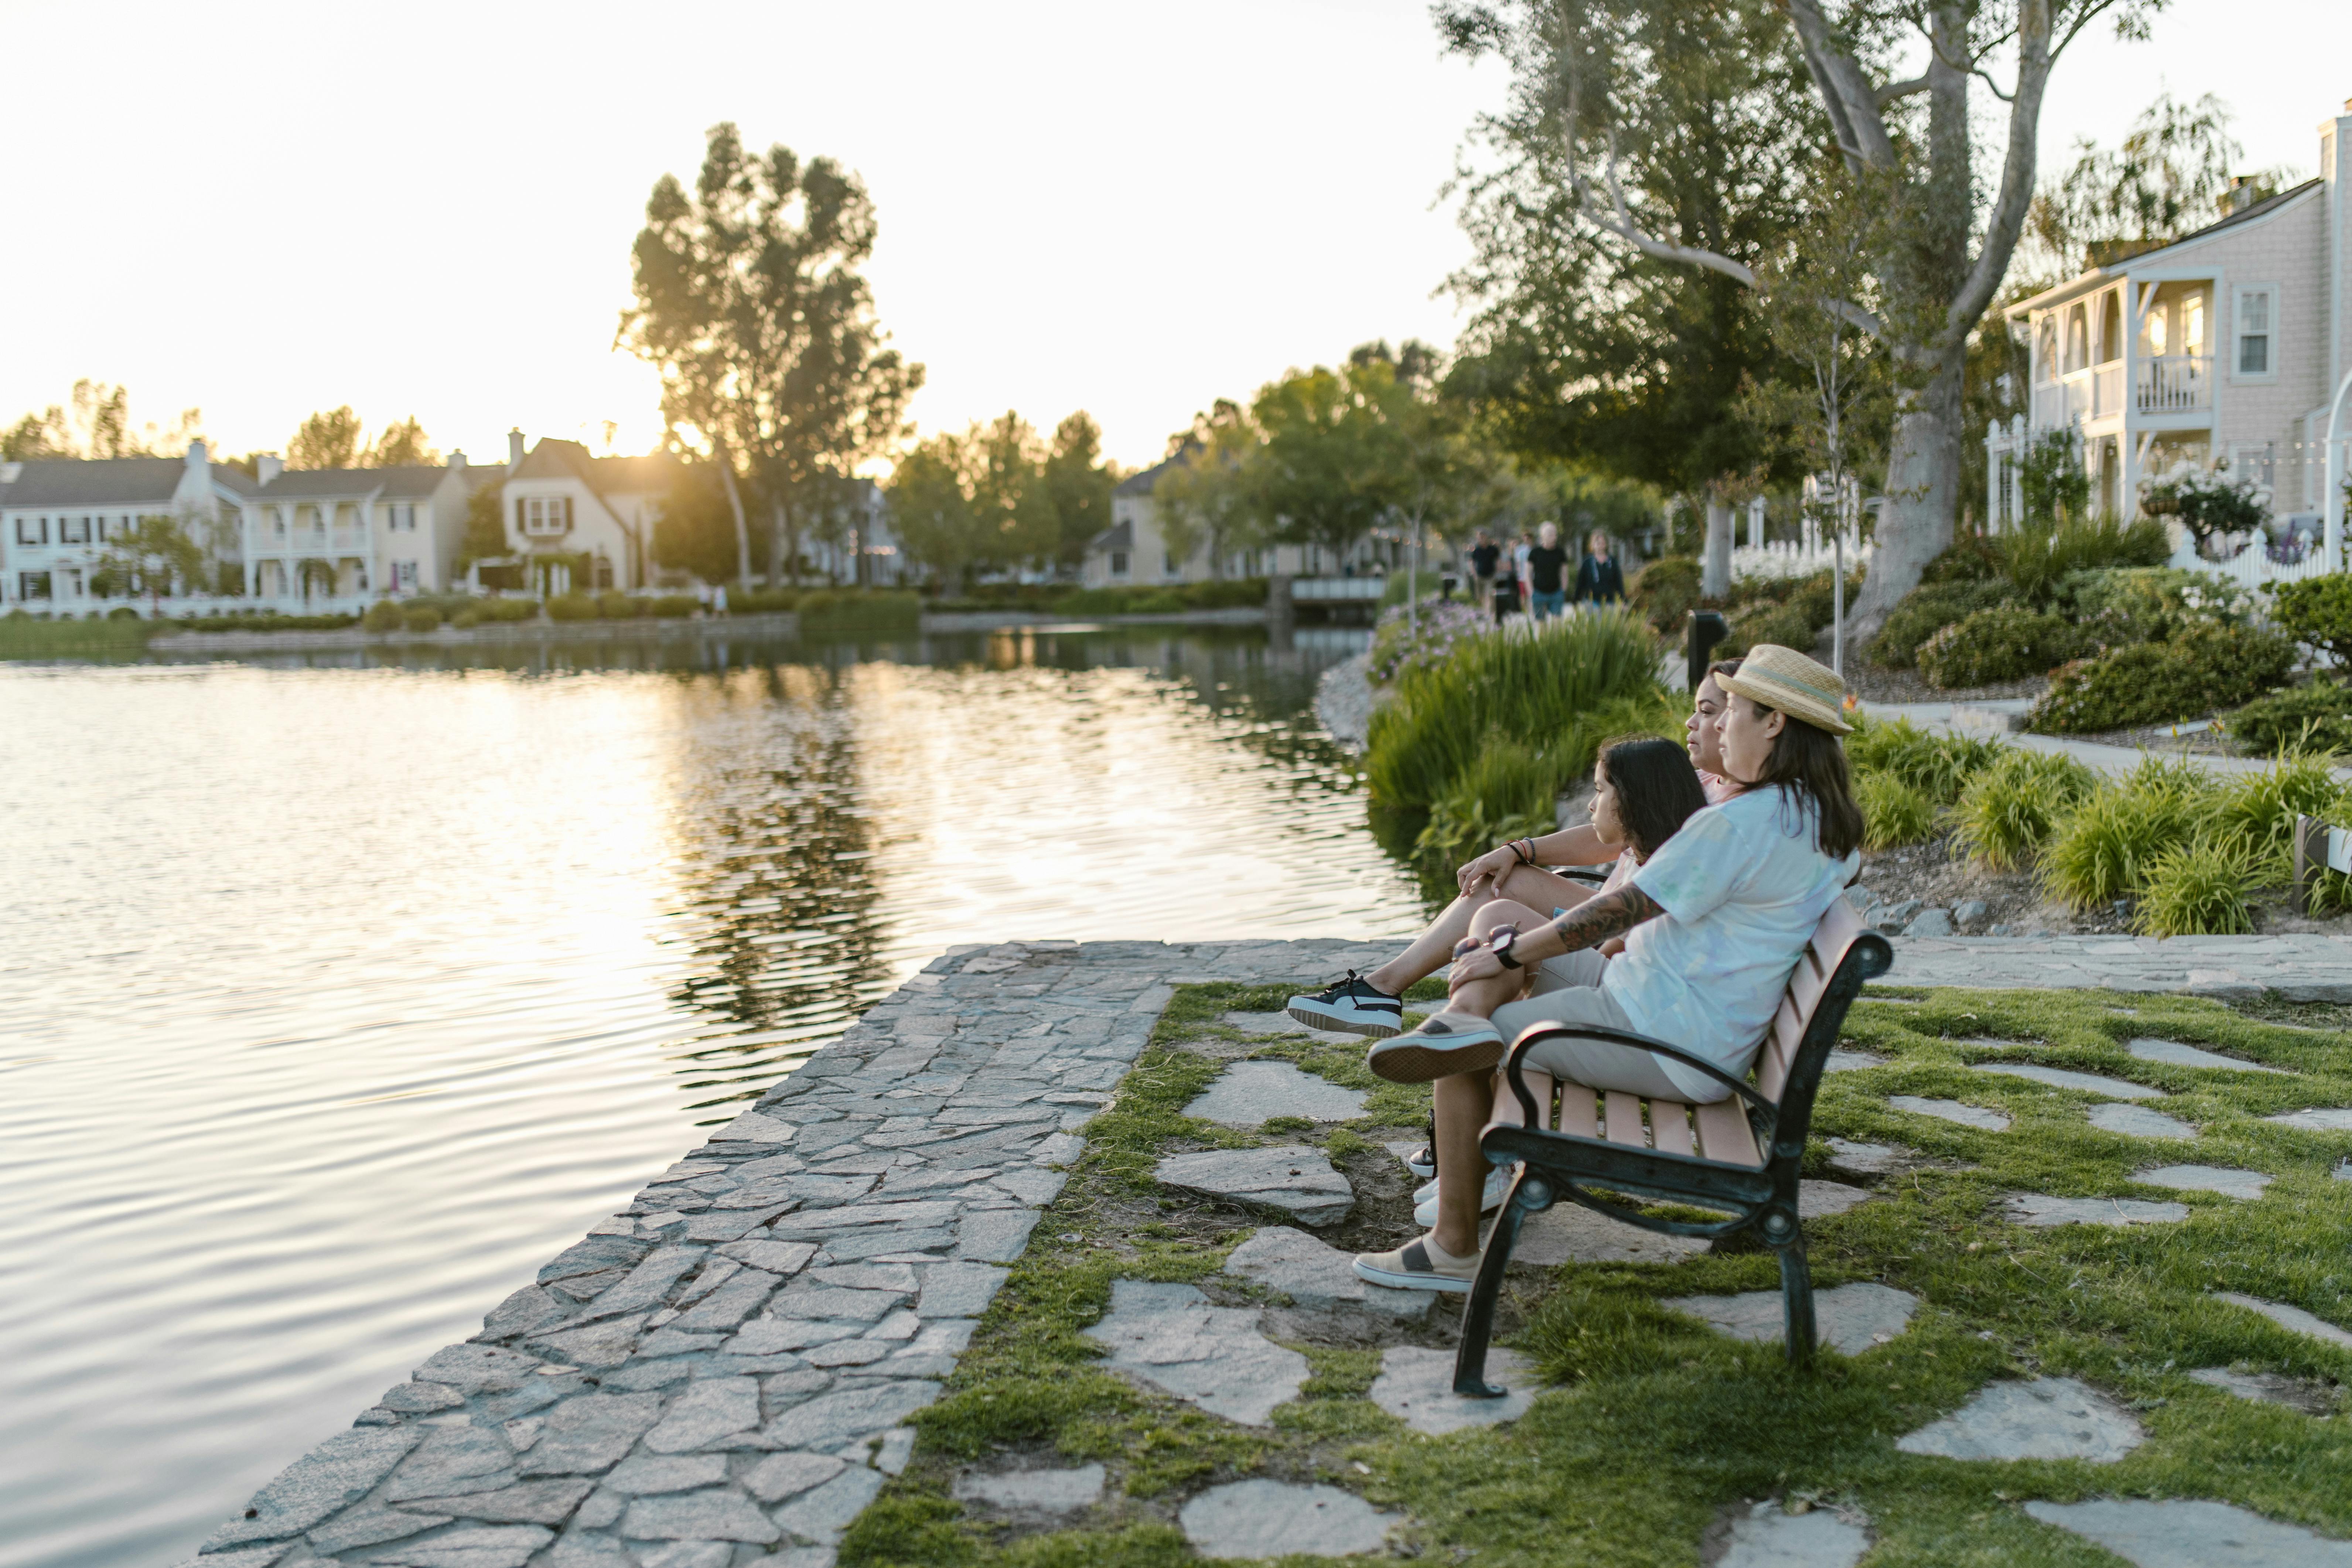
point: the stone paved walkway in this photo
(720, 1374)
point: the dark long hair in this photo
(1657, 788)
(1811, 762)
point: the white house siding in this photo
(56, 516)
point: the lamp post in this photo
(2336, 478)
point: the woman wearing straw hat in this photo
(1712, 926)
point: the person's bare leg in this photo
(1479, 998)
(1464, 1104)
(1432, 950)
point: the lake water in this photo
(338, 994)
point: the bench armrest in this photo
(1534, 1033)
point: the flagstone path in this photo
(722, 1373)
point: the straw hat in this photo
(1784, 678)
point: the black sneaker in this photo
(1423, 1161)
(1356, 1005)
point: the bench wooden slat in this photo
(1507, 1104)
(1808, 981)
(1670, 1130)
(1779, 1052)
(1577, 1117)
(1625, 1120)
(1724, 1134)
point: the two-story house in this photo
(2219, 347)
(58, 515)
(352, 533)
(576, 521)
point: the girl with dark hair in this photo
(1712, 925)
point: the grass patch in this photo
(1651, 1423)
(24, 636)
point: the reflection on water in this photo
(338, 991)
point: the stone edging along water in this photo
(723, 1370)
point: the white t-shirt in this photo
(1743, 885)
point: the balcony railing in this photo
(2176, 384)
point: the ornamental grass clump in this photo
(2314, 716)
(2010, 809)
(1938, 766)
(2257, 811)
(1892, 811)
(1530, 688)
(2199, 889)
(2108, 848)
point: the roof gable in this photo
(95, 481)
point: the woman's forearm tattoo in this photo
(1595, 920)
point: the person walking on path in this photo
(1483, 557)
(1547, 574)
(1598, 581)
(1519, 554)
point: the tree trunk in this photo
(785, 555)
(1715, 570)
(1922, 481)
(742, 531)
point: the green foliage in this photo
(2051, 481)
(1892, 811)
(1507, 792)
(2257, 811)
(1787, 625)
(1531, 689)
(2150, 603)
(384, 616)
(2107, 847)
(1816, 597)
(2317, 611)
(1936, 765)
(1929, 609)
(1221, 594)
(2158, 683)
(1970, 559)
(25, 635)
(2197, 889)
(2037, 556)
(2316, 714)
(1403, 642)
(571, 607)
(672, 606)
(468, 617)
(824, 611)
(2008, 809)
(421, 618)
(268, 621)
(2005, 643)
(1666, 592)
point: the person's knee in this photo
(1491, 916)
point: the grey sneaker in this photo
(1441, 1047)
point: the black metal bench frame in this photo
(1556, 1164)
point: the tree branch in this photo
(1845, 91)
(1617, 217)
(1898, 90)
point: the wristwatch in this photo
(1508, 939)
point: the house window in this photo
(2257, 308)
(545, 515)
(277, 522)
(1118, 563)
(32, 585)
(32, 531)
(404, 518)
(73, 530)
(2192, 324)
(404, 575)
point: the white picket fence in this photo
(1790, 558)
(2253, 567)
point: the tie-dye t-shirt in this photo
(1743, 885)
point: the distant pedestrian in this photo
(1519, 554)
(1598, 581)
(719, 601)
(1483, 557)
(1547, 574)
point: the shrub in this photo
(2150, 603)
(1972, 559)
(1892, 811)
(2197, 889)
(761, 601)
(1929, 609)
(1531, 689)
(471, 616)
(2010, 809)
(824, 610)
(1666, 592)
(2319, 611)
(384, 616)
(672, 607)
(1816, 597)
(2005, 643)
(2315, 716)
(2037, 557)
(511, 609)
(421, 618)
(571, 607)
(2155, 683)
(122, 613)
(1936, 765)
(1785, 625)
(2257, 811)
(2107, 848)
(615, 605)
(1507, 792)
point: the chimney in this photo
(514, 448)
(267, 466)
(2241, 193)
(457, 458)
(199, 459)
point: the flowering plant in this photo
(1398, 647)
(2208, 504)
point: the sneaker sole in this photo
(1315, 1019)
(1446, 1284)
(1426, 1064)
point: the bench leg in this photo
(1478, 1312)
(1796, 1302)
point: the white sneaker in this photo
(1354, 1004)
(1498, 1187)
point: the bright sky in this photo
(272, 208)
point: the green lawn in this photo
(1651, 1423)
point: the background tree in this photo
(1326, 468)
(931, 507)
(156, 551)
(1948, 241)
(327, 439)
(94, 422)
(1078, 484)
(401, 445)
(749, 301)
(1210, 499)
(485, 527)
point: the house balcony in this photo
(2175, 383)
(2080, 396)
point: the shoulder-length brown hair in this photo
(1808, 766)
(1657, 788)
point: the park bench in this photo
(1738, 1155)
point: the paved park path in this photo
(720, 1374)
